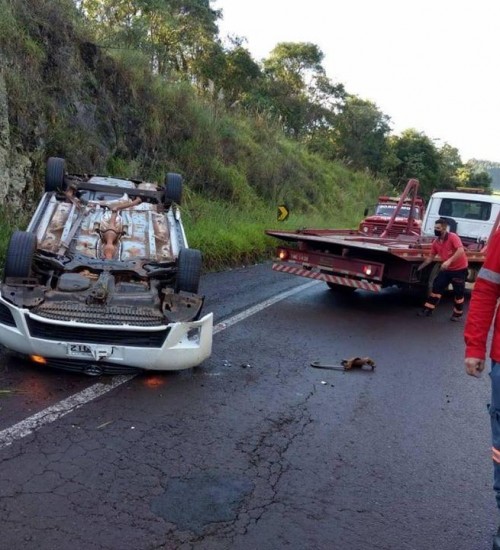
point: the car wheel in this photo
(188, 270)
(173, 188)
(54, 174)
(19, 257)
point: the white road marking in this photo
(53, 413)
(259, 307)
(62, 408)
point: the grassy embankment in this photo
(246, 178)
(238, 166)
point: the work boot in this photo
(456, 318)
(496, 540)
(425, 312)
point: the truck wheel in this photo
(19, 257)
(54, 174)
(341, 289)
(188, 270)
(173, 189)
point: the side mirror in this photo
(365, 212)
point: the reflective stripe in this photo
(495, 455)
(459, 300)
(457, 312)
(429, 305)
(434, 295)
(489, 275)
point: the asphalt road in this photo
(255, 449)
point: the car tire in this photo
(173, 189)
(54, 174)
(19, 256)
(188, 270)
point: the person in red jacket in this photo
(447, 248)
(482, 308)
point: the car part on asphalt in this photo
(347, 364)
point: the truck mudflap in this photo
(363, 284)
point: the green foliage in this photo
(140, 87)
(240, 76)
(178, 36)
(413, 155)
(360, 135)
(123, 168)
(449, 167)
(491, 168)
(470, 176)
(296, 88)
(241, 238)
(290, 62)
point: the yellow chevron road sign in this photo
(282, 212)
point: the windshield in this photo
(388, 210)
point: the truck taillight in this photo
(368, 270)
(283, 254)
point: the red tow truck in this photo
(408, 220)
(350, 259)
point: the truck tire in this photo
(188, 270)
(19, 256)
(341, 289)
(54, 174)
(173, 189)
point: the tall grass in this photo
(229, 235)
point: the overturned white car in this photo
(102, 281)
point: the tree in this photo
(241, 75)
(470, 176)
(296, 88)
(175, 34)
(449, 165)
(360, 135)
(413, 155)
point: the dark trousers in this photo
(494, 408)
(441, 282)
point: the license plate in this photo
(79, 350)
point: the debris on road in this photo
(347, 364)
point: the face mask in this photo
(437, 232)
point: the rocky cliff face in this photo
(15, 166)
(60, 95)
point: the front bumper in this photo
(101, 348)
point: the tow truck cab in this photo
(376, 223)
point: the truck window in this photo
(388, 209)
(471, 210)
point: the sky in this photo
(431, 65)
